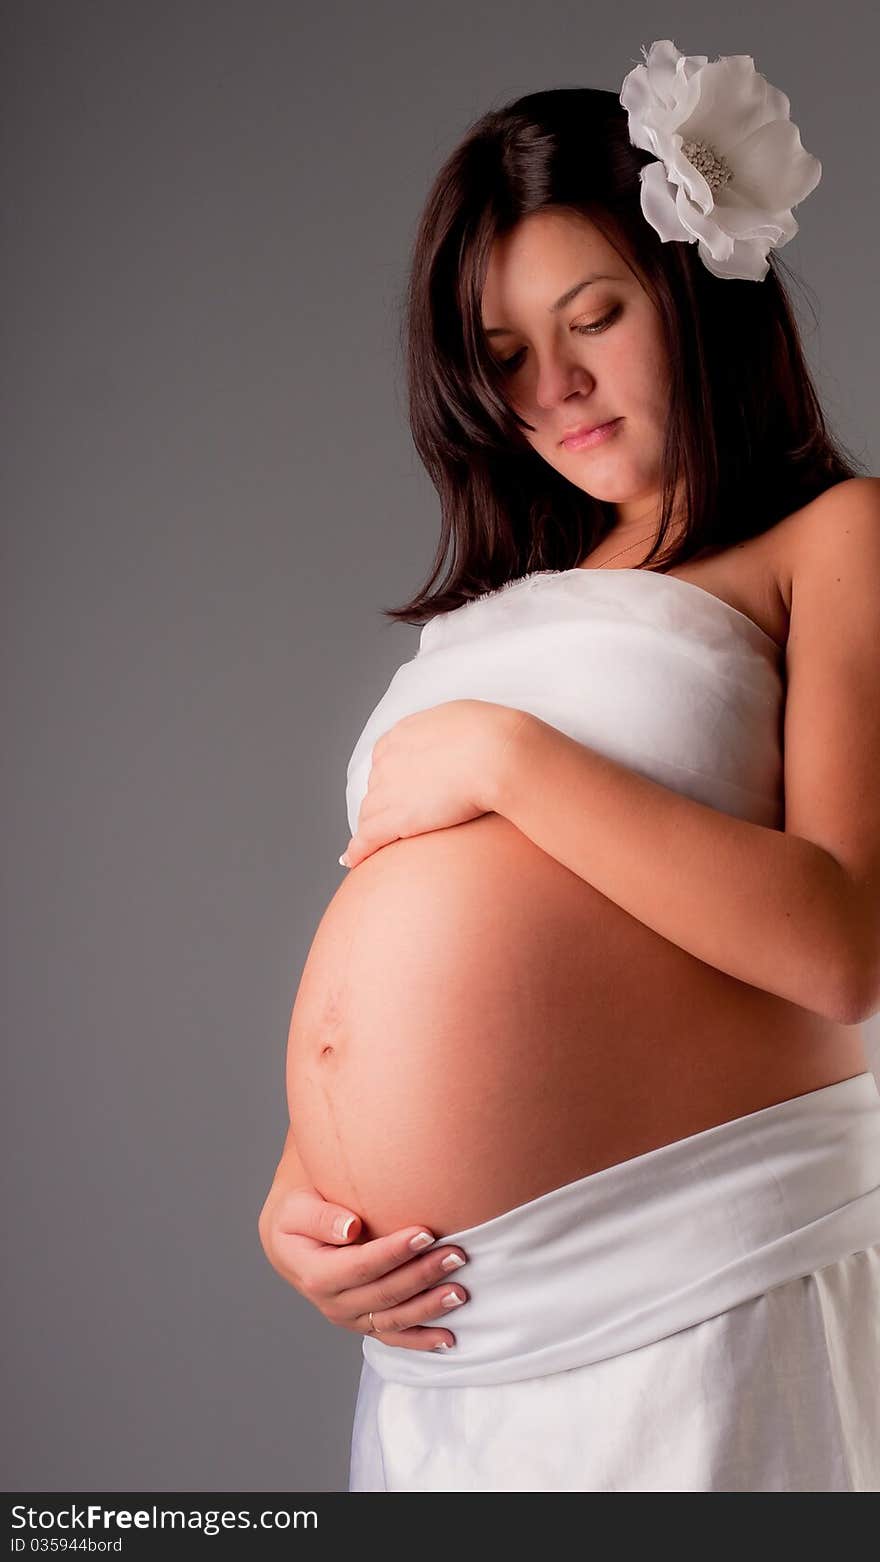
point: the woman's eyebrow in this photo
(553, 309)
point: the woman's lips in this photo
(597, 436)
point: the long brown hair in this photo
(746, 438)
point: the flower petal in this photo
(737, 212)
(660, 94)
(735, 100)
(748, 262)
(681, 171)
(701, 225)
(658, 203)
(666, 66)
(772, 167)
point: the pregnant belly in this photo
(475, 1025)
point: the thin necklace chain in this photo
(623, 550)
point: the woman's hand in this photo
(432, 769)
(345, 1278)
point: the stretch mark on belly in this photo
(339, 1153)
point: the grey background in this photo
(210, 493)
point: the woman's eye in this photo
(599, 325)
(508, 364)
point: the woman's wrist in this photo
(513, 730)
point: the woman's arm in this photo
(767, 908)
(794, 912)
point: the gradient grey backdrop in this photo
(210, 494)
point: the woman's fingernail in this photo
(343, 860)
(422, 1240)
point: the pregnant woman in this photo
(588, 1001)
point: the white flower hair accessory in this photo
(731, 164)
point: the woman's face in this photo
(582, 359)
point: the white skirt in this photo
(704, 1317)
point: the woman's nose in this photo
(558, 378)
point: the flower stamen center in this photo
(716, 172)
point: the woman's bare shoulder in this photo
(787, 540)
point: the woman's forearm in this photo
(768, 908)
